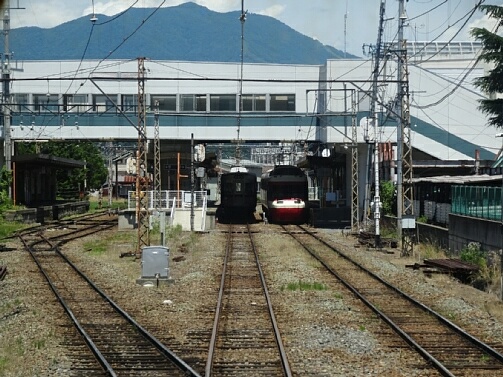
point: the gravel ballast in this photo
(326, 332)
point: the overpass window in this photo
(254, 102)
(46, 102)
(102, 104)
(282, 102)
(129, 102)
(193, 102)
(222, 102)
(166, 103)
(75, 103)
(19, 102)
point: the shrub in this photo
(486, 276)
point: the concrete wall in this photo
(330, 217)
(433, 234)
(182, 218)
(127, 220)
(47, 213)
(464, 229)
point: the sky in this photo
(347, 25)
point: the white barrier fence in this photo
(169, 199)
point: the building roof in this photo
(459, 179)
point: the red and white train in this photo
(284, 195)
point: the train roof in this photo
(285, 170)
(238, 169)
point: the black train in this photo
(238, 197)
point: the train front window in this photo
(288, 192)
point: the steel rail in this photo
(486, 348)
(277, 337)
(422, 351)
(216, 321)
(158, 345)
(94, 349)
(279, 342)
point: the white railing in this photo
(203, 214)
(172, 214)
(179, 199)
(314, 193)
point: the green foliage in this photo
(5, 182)
(3, 363)
(486, 275)
(39, 344)
(173, 232)
(95, 172)
(472, 254)
(387, 194)
(7, 228)
(97, 247)
(429, 250)
(422, 219)
(491, 84)
(305, 286)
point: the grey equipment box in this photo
(155, 262)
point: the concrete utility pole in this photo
(373, 117)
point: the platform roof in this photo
(47, 160)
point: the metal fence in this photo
(167, 199)
(477, 201)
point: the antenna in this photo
(345, 28)
(242, 18)
(94, 18)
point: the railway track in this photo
(445, 346)
(108, 341)
(245, 340)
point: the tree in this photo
(492, 52)
(95, 172)
(388, 197)
(5, 182)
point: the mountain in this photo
(186, 32)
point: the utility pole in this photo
(192, 182)
(6, 93)
(142, 213)
(6, 73)
(242, 18)
(355, 222)
(405, 202)
(110, 175)
(373, 117)
(157, 159)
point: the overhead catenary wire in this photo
(468, 16)
(127, 37)
(117, 15)
(93, 24)
(111, 52)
